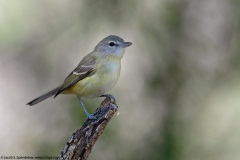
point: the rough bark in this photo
(81, 142)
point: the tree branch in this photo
(81, 142)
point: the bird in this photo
(95, 75)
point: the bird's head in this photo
(112, 45)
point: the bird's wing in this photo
(83, 70)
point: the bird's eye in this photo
(111, 44)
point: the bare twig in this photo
(81, 142)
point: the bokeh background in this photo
(179, 89)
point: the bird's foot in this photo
(110, 97)
(90, 116)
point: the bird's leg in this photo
(109, 96)
(89, 116)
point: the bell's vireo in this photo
(95, 75)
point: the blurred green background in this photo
(179, 89)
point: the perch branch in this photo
(81, 142)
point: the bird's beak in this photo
(126, 44)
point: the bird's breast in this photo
(103, 80)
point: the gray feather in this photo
(43, 97)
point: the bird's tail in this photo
(43, 97)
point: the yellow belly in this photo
(98, 84)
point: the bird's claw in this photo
(110, 97)
(91, 116)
